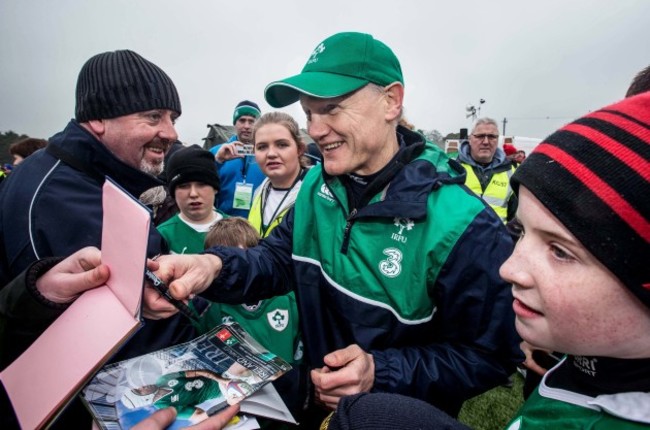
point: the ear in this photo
(97, 126)
(394, 97)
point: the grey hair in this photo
(486, 121)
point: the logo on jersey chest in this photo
(402, 224)
(278, 319)
(325, 193)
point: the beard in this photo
(154, 169)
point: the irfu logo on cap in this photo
(314, 55)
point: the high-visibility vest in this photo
(255, 217)
(498, 191)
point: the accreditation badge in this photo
(243, 196)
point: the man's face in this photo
(353, 132)
(244, 128)
(483, 143)
(564, 299)
(195, 200)
(140, 139)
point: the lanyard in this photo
(244, 167)
(265, 228)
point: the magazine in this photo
(199, 378)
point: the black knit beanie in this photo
(246, 107)
(191, 164)
(594, 176)
(120, 83)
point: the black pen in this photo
(161, 287)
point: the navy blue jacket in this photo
(48, 208)
(467, 347)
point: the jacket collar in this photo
(404, 186)
(97, 161)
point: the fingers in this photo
(87, 258)
(218, 421)
(155, 306)
(159, 420)
(341, 357)
(531, 364)
(228, 151)
(75, 274)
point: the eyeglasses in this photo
(482, 137)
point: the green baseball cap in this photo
(340, 64)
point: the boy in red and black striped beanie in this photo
(581, 269)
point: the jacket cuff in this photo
(382, 372)
(34, 272)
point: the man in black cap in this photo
(124, 123)
(239, 173)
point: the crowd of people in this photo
(386, 273)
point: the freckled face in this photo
(564, 298)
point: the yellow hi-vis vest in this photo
(496, 194)
(255, 217)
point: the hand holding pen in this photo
(161, 287)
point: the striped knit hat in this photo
(119, 83)
(594, 176)
(246, 107)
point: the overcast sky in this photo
(537, 63)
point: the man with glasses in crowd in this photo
(488, 168)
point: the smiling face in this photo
(483, 143)
(195, 201)
(356, 132)
(140, 139)
(564, 299)
(277, 154)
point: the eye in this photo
(330, 109)
(560, 253)
(260, 146)
(516, 228)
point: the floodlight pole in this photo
(505, 121)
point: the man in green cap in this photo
(393, 260)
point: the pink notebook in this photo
(59, 363)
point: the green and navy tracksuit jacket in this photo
(411, 277)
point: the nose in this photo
(316, 127)
(193, 190)
(515, 269)
(167, 131)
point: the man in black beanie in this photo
(239, 173)
(124, 123)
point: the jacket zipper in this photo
(346, 232)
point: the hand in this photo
(530, 362)
(186, 275)
(163, 418)
(228, 151)
(347, 371)
(79, 272)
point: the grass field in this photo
(493, 409)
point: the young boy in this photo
(580, 275)
(193, 182)
(272, 322)
(580, 278)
